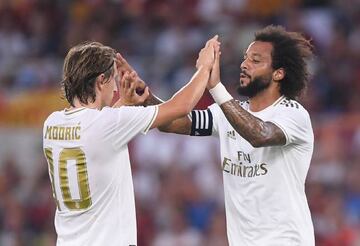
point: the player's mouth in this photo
(244, 79)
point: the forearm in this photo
(190, 94)
(152, 100)
(178, 126)
(181, 104)
(257, 132)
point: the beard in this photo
(255, 86)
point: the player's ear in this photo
(100, 81)
(278, 74)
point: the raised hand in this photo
(127, 91)
(207, 54)
(123, 66)
(215, 70)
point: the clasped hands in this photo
(134, 91)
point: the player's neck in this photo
(94, 105)
(263, 99)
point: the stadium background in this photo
(178, 183)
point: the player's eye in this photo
(255, 60)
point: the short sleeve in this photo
(295, 123)
(130, 121)
(203, 122)
(216, 114)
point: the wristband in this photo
(220, 94)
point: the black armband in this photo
(202, 123)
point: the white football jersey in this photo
(90, 173)
(264, 189)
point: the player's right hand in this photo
(127, 91)
(207, 54)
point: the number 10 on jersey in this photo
(65, 155)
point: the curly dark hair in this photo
(290, 52)
(82, 65)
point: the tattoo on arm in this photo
(253, 129)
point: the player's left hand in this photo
(127, 90)
(123, 66)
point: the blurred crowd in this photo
(178, 182)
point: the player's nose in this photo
(243, 65)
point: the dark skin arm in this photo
(257, 132)
(179, 126)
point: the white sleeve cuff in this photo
(156, 110)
